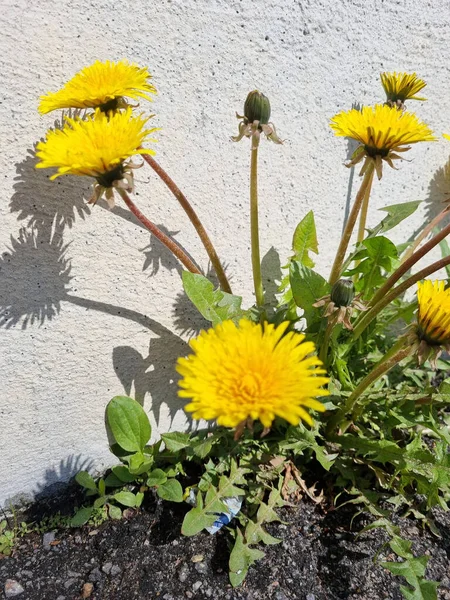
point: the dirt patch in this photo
(145, 557)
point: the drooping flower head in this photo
(382, 132)
(103, 85)
(400, 87)
(98, 147)
(433, 319)
(242, 373)
(255, 120)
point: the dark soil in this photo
(145, 557)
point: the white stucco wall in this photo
(87, 309)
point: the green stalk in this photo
(410, 262)
(394, 293)
(192, 215)
(254, 226)
(363, 215)
(349, 226)
(323, 354)
(397, 353)
(162, 237)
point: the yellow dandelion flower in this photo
(249, 372)
(401, 86)
(96, 147)
(434, 312)
(382, 132)
(103, 85)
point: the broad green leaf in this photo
(305, 240)
(197, 519)
(112, 480)
(123, 473)
(175, 441)
(396, 213)
(216, 306)
(125, 498)
(100, 501)
(139, 498)
(140, 463)
(156, 477)
(81, 517)
(202, 448)
(413, 570)
(86, 480)
(307, 287)
(170, 490)
(101, 487)
(375, 255)
(128, 422)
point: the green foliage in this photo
(214, 305)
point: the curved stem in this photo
(254, 227)
(162, 237)
(424, 233)
(397, 353)
(410, 262)
(394, 293)
(188, 209)
(349, 226)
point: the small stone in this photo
(201, 567)
(73, 574)
(196, 586)
(13, 588)
(61, 598)
(47, 539)
(115, 570)
(183, 573)
(310, 597)
(78, 539)
(95, 575)
(93, 532)
(28, 574)
(280, 596)
(87, 590)
(189, 594)
(107, 568)
(70, 582)
(197, 558)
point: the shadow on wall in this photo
(35, 282)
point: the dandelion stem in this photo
(162, 237)
(254, 227)
(397, 353)
(349, 226)
(189, 210)
(363, 215)
(410, 262)
(395, 292)
(323, 354)
(425, 232)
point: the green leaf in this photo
(101, 487)
(241, 559)
(81, 517)
(125, 498)
(396, 213)
(156, 477)
(114, 511)
(202, 448)
(376, 254)
(140, 463)
(413, 570)
(175, 441)
(305, 240)
(112, 480)
(85, 480)
(123, 474)
(445, 249)
(216, 306)
(307, 287)
(170, 490)
(128, 422)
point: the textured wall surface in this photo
(90, 305)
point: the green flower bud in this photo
(257, 108)
(343, 292)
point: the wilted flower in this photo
(256, 119)
(400, 87)
(98, 147)
(241, 373)
(382, 132)
(103, 85)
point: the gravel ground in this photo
(145, 557)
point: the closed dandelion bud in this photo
(257, 108)
(343, 292)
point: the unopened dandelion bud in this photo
(257, 108)
(343, 292)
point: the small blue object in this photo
(234, 506)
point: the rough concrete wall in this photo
(90, 306)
